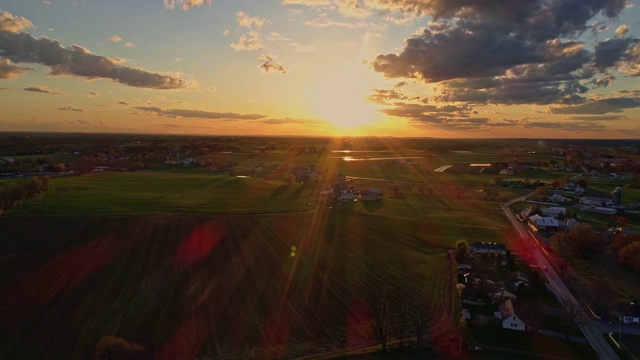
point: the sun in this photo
(340, 97)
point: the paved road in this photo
(589, 327)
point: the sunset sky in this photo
(437, 68)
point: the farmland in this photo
(238, 259)
(216, 265)
(205, 285)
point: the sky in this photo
(415, 68)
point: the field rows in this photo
(224, 285)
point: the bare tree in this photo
(379, 306)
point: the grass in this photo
(157, 193)
(224, 283)
(149, 256)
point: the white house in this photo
(538, 223)
(509, 318)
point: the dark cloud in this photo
(303, 122)
(41, 89)
(199, 114)
(567, 126)
(269, 63)
(78, 61)
(9, 70)
(125, 103)
(386, 97)
(69, 108)
(597, 117)
(609, 52)
(509, 51)
(598, 107)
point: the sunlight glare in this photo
(340, 97)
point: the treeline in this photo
(12, 193)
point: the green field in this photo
(190, 262)
(205, 285)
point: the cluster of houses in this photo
(351, 194)
(475, 289)
(551, 219)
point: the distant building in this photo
(371, 195)
(539, 223)
(487, 248)
(553, 212)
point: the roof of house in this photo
(545, 221)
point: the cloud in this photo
(596, 117)
(311, 3)
(611, 51)
(508, 52)
(304, 48)
(323, 22)
(269, 63)
(125, 103)
(248, 42)
(274, 36)
(598, 106)
(386, 97)
(69, 108)
(93, 93)
(9, 70)
(129, 44)
(353, 9)
(199, 114)
(13, 23)
(184, 4)
(46, 2)
(78, 61)
(304, 122)
(245, 20)
(42, 89)
(114, 38)
(622, 30)
(565, 126)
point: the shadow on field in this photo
(279, 190)
(372, 206)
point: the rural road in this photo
(588, 326)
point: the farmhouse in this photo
(539, 223)
(507, 315)
(595, 201)
(487, 248)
